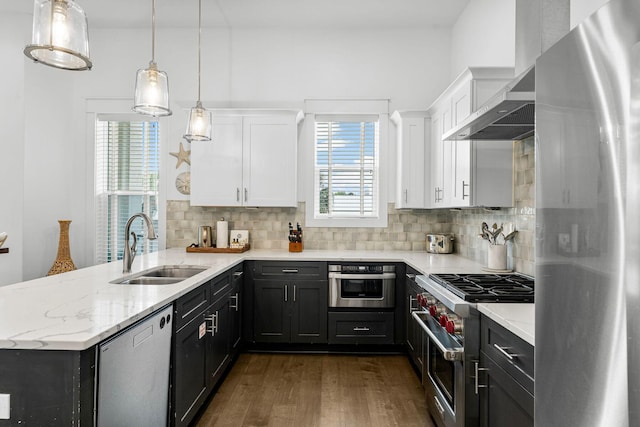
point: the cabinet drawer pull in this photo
(289, 270)
(286, 293)
(504, 352)
(294, 293)
(238, 274)
(361, 329)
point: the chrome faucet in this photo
(130, 251)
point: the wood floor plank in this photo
(318, 391)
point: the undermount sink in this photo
(178, 271)
(162, 275)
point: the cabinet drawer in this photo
(190, 305)
(361, 328)
(220, 286)
(301, 270)
(508, 351)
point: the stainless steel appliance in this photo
(133, 374)
(587, 349)
(362, 285)
(452, 323)
(440, 243)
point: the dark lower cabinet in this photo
(290, 312)
(219, 339)
(271, 312)
(361, 327)
(203, 346)
(504, 402)
(190, 366)
(506, 378)
(235, 318)
(413, 332)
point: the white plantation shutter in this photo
(346, 167)
(127, 176)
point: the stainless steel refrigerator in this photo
(587, 347)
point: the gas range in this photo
(448, 315)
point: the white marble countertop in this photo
(518, 318)
(78, 309)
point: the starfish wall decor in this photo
(182, 156)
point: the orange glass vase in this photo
(63, 261)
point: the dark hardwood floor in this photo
(318, 390)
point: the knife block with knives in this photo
(295, 239)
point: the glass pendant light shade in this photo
(60, 35)
(152, 86)
(152, 92)
(199, 124)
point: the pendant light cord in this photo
(199, 37)
(153, 31)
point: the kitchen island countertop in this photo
(78, 309)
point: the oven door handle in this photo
(451, 354)
(333, 275)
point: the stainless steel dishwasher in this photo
(133, 374)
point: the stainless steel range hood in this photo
(509, 114)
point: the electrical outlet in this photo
(5, 406)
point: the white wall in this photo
(240, 68)
(13, 30)
(484, 35)
(581, 9)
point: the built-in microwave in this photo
(362, 286)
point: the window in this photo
(346, 167)
(127, 176)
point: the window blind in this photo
(127, 176)
(346, 168)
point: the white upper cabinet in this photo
(251, 160)
(412, 134)
(470, 173)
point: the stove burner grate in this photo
(488, 287)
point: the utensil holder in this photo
(497, 257)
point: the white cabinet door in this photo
(216, 165)
(441, 156)
(462, 102)
(270, 161)
(461, 173)
(411, 165)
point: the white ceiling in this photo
(342, 14)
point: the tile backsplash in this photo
(268, 227)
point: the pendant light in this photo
(60, 35)
(152, 86)
(199, 124)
